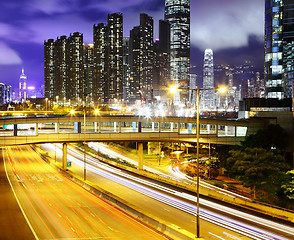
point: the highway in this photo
(57, 208)
(177, 206)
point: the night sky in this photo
(233, 29)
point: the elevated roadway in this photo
(63, 129)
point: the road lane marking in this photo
(25, 216)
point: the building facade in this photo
(141, 57)
(108, 59)
(178, 14)
(279, 46)
(208, 96)
(22, 91)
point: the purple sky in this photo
(232, 28)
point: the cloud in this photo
(8, 56)
(225, 24)
(51, 6)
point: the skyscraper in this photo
(141, 58)
(75, 64)
(22, 86)
(161, 60)
(99, 78)
(288, 46)
(108, 59)
(49, 68)
(274, 48)
(88, 73)
(60, 68)
(279, 46)
(208, 97)
(114, 54)
(178, 14)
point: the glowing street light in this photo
(221, 90)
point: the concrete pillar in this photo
(179, 128)
(57, 126)
(159, 126)
(153, 124)
(37, 129)
(14, 129)
(119, 127)
(208, 129)
(172, 127)
(114, 126)
(99, 128)
(64, 156)
(140, 151)
(95, 126)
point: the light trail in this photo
(135, 183)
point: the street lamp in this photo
(221, 90)
(85, 171)
(46, 99)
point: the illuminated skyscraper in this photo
(178, 14)
(60, 85)
(22, 86)
(49, 69)
(208, 97)
(141, 58)
(108, 59)
(75, 64)
(279, 46)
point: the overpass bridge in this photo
(63, 129)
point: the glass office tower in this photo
(273, 66)
(178, 14)
(279, 46)
(208, 97)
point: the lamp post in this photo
(46, 99)
(222, 90)
(85, 171)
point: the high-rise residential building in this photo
(99, 79)
(178, 14)
(208, 96)
(141, 58)
(279, 42)
(114, 54)
(88, 73)
(134, 60)
(108, 59)
(75, 64)
(49, 69)
(60, 68)
(161, 60)
(22, 86)
(126, 70)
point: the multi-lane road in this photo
(54, 207)
(175, 206)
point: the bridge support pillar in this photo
(64, 156)
(57, 127)
(14, 129)
(37, 129)
(119, 127)
(99, 127)
(140, 151)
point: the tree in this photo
(273, 137)
(261, 170)
(289, 187)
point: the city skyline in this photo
(22, 35)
